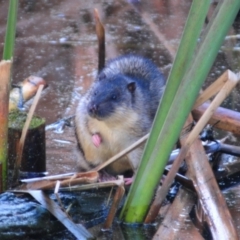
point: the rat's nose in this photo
(92, 109)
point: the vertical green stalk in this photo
(169, 121)
(182, 61)
(11, 30)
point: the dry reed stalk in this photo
(77, 178)
(5, 73)
(116, 201)
(101, 40)
(212, 90)
(24, 132)
(212, 202)
(223, 118)
(122, 153)
(177, 224)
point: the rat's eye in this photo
(114, 97)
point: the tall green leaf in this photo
(11, 30)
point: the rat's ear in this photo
(101, 76)
(131, 87)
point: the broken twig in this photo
(101, 40)
(24, 132)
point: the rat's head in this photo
(110, 96)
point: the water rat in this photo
(117, 110)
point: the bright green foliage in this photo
(11, 30)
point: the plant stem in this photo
(11, 30)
